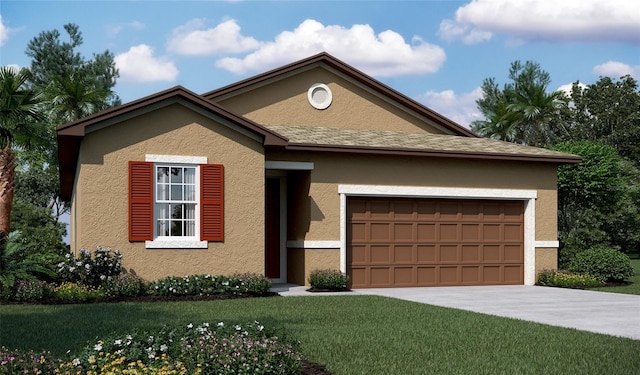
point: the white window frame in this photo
(177, 242)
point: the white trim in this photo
(176, 244)
(289, 165)
(180, 159)
(314, 244)
(436, 192)
(528, 196)
(552, 244)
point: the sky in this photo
(436, 52)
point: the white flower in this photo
(102, 277)
(152, 355)
(71, 269)
(98, 347)
(163, 347)
(118, 342)
(205, 324)
(190, 326)
(221, 324)
(75, 362)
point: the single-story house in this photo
(313, 165)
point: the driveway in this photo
(608, 313)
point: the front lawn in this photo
(350, 334)
(634, 282)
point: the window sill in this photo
(176, 244)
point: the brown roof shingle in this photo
(419, 143)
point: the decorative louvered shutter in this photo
(140, 201)
(212, 202)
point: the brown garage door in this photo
(434, 242)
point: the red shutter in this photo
(212, 202)
(140, 201)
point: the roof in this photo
(353, 74)
(70, 135)
(425, 144)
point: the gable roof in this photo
(70, 135)
(349, 71)
(415, 144)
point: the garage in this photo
(414, 242)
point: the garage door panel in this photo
(434, 242)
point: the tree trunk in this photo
(7, 187)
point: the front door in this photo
(272, 229)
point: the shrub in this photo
(328, 280)
(207, 285)
(18, 362)
(125, 285)
(31, 290)
(208, 349)
(254, 283)
(90, 270)
(604, 263)
(71, 292)
(565, 279)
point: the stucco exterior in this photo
(237, 126)
(100, 195)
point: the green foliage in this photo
(31, 290)
(209, 285)
(328, 279)
(27, 362)
(16, 265)
(565, 279)
(597, 201)
(604, 263)
(125, 285)
(523, 111)
(204, 349)
(90, 270)
(72, 292)
(607, 112)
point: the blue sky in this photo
(436, 52)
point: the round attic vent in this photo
(319, 96)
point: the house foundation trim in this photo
(313, 244)
(528, 196)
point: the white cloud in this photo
(565, 20)
(460, 108)
(616, 69)
(385, 54)
(139, 65)
(569, 87)
(193, 39)
(114, 30)
(4, 32)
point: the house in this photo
(313, 165)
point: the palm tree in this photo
(500, 124)
(73, 96)
(19, 119)
(536, 111)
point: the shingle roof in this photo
(390, 141)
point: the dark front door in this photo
(272, 229)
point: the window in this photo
(176, 202)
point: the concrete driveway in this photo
(608, 313)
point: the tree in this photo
(608, 111)
(19, 118)
(523, 111)
(597, 201)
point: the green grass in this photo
(350, 334)
(634, 282)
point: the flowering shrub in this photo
(204, 349)
(127, 285)
(18, 362)
(567, 280)
(328, 280)
(207, 285)
(30, 290)
(94, 270)
(71, 292)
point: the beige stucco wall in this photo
(317, 202)
(546, 259)
(100, 207)
(285, 103)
